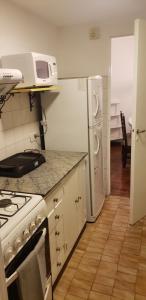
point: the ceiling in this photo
(71, 12)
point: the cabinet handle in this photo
(57, 232)
(79, 197)
(55, 200)
(65, 246)
(58, 264)
(57, 217)
(58, 249)
(77, 201)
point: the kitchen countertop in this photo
(44, 178)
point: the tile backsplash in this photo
(17, 126)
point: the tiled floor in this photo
(109, 262)
(120, 177)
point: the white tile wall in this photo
(17, 126)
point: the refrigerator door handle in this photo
(98, 144)
(97, 105)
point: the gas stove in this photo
(20, 216)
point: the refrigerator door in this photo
(95, 100)
(95, 145)
(96, 171)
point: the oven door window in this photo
(42, 69)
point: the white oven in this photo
(25, 246)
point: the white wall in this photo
(80, 56)
(122, 63)
(21, 31)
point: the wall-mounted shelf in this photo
(115, 123)
(53, 88)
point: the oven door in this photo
(28, 275)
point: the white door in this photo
(94, 100)
(138, 159)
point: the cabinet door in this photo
(81, 204)
(70, 211)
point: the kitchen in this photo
(18, 125)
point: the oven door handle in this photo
(14, 276)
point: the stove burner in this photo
(5, 202)
(3, 221)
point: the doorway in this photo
(122, 63)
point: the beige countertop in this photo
(43, 179)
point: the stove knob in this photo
(26, 234)
(9, 254)
(17, 243)
(38, 219)
(32, 226)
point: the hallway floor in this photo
(120, 177)
(109, 262)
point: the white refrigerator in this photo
(75, 123)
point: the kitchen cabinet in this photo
(56, 230)
(75, 205)
(66, 210)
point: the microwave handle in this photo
(50, 68)
(14, 276)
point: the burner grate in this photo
(3, 221)
(12, 202)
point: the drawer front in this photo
(53, 251)
(58, 212)
(53, 199)
(57, 266)
(59, 233)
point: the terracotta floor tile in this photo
(82, 275)
(107, 269)
(89, 268)
(129, 261)
(103, 289)
(127, 270)
(113, 258)
(69, 273)
(141, 283)
(104, 280)
(139, 297)
(123, 294)
(62, 287)
(71, 297)
(91, 261)
(125, 277)
(79, 292)
(81, 284)
(98, 296)
(125, 285)
(126, 250)
(57, 296)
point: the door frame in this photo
(108, 183)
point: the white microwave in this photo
(37, 69)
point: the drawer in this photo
(55, 215)
(57, 266)
(58, 211)
(53, 200)
(53, 252)
(59, 233)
